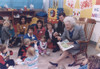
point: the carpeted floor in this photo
(44, 60)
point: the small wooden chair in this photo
(88, 29)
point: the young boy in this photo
(31, 36)
(1, 24)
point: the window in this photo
(17, 4)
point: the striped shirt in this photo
(32, 62)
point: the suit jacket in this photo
(47, 35)
(40, 33)
(60, 27)
(5, 33)
(78, 34)
(0, 30)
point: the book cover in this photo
(64, 46)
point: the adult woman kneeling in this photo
(74, 34)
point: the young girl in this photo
(23, 49)
(32, 57)
(4, 61)
(43, 46)
(51, 40)
(5, 35)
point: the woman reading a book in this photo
(73, 34)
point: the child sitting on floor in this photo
(32, 57)
(4, 61)
(23, 49)
(43, 46)
(5, 35)
(93, 62)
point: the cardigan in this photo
(22, 29)
(22, 52)
(31, 38)
(40, 33)
(5, 33)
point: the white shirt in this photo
(50, 33)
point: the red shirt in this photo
(2, 60)
(40, 33)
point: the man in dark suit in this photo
(59, 30)
(1, 24)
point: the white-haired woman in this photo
(74, 34)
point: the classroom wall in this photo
(17, 4)
(96, 32)
(87, 13)
(79, 8)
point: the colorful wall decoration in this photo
(97, 2)
(55, 7)
(52, 15)
(79, 8)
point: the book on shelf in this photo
(64, 46)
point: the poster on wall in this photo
(97, 2)
(96, 12)
(76, 12)
(71, 3)
(85, 4)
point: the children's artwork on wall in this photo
(97, 2)
(76, 12)
(71, 3)
(52, 15)
(85, 4)
(96, 12)
(98, 45)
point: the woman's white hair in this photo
(71, 20)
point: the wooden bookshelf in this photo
(11, 14)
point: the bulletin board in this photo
(79, 8)
(96, 11)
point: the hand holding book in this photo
(70, 43)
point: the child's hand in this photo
(7, 65)
(35, 41)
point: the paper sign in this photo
(96, 12)
(85, 4)
(71, 3)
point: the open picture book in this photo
(64, 46)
